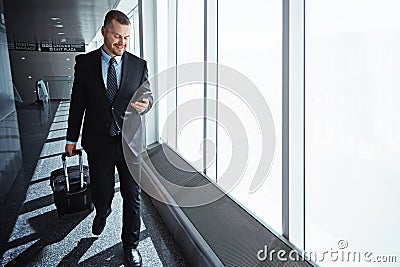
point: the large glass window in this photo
(134, 42)
(352, 130)
(190, 111)
(250, 42)
(248, 48)
(166, 59)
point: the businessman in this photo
(105, 82)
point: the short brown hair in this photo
(118, 16)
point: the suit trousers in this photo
(102, 163)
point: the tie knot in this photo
(112, 61)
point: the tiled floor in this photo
(40, 238)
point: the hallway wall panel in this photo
(6, 88)
(10, 155)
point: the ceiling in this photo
(31, 21)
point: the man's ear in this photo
(103, 30)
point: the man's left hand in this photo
(140, 106)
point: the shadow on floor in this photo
(48, 229)
(33, 132)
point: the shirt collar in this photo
(106, 57)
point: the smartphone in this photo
(144, 95)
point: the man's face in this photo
(115, 38)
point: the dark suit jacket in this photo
(89, 98)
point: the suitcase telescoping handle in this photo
(63, 157)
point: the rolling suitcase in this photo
(71, 187)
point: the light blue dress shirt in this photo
(105, 59)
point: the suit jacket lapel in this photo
(99, 74)
(126, 72)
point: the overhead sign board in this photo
(46, 46)
(11, 45)
(23, 46)
(61, 47)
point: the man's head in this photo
(116, 32)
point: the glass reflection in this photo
(10, 153)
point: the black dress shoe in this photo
(98, 225)
(133, 257)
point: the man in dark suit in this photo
(104, 83)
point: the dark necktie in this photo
(112, 89)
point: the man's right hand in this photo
(69, 148)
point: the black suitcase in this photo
(71, 187)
